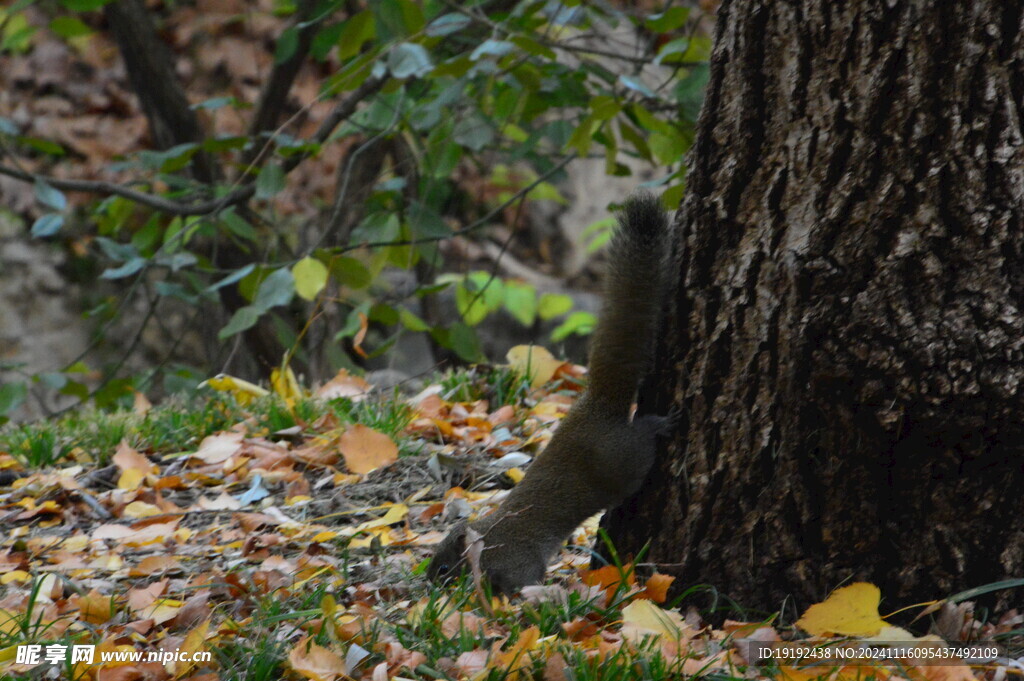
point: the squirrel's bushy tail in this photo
(622, 344)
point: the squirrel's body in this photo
(597, 457)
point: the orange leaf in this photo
(656, 587)
(609, 577)
(316, 662)
(345, 384)
(366, 449)
(128, 458)
(95, 608)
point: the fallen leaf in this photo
(316, 662)
(243, 391)
(366, 449)
(219, 447)
(344, 384)
(534, 362)
(849, 611)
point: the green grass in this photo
(498, 385)
(93, 434)
(180, 425)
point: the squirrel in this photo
(597, 457)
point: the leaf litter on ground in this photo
(293, 540)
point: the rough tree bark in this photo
(846, 340)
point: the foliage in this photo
(447, 117)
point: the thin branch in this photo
(113, 189)
(473, 226)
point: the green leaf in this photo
(464, 342)
(244, 318)
(384, 314)
(531, 46)
(637, 85)
(270, 181)
(669, 20)
(446, 24)
(477, 295)
(521, 302)
(579, 323)
(631, 135)
(412, 16)
(409, 59)
(47, 225)
(673, 196)
(238, 225)
(353, 322)
(84, 5)
(12, 396)
(325, 39)
(603, 107)
(310, 277)
(49, 196)
(355, 33)
(277, 289)
(689, 91)
(45, 146)
(287, 44)
(668, 149)
(473, 132)
(553, 305)
(673, 51)
(649, 121)
(492, 48)
(237, 275)
(582, 136)
(17, 33)
(129, 268)
(350, 272)
(598, 233)
(69, 27)
(411, 321)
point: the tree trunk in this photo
(845, 341)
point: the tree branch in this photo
(279, 83)
(151, 72)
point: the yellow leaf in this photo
(516, 659)
(243, 391)
(286, 385)
(131, 479)
(310, 277)
(366, 449)
(140, 509)
(534, 362)
(395, 514)
(15, 576)
(643, 618)
(515, 475)
(95, 608)
(849, 611)
(316, 662)
(194, 643)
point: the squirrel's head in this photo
(450, 556)
(507, 565)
